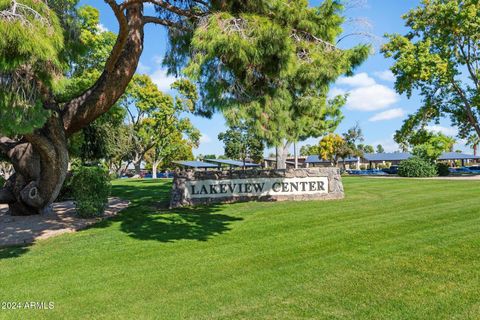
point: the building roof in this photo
(316, 159)
(395, 156)
(390, 156)
(233, 163)
(196, 164)
(457, 156)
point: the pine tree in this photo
(274, 74)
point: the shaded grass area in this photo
(393, 249)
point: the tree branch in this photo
(468, 108)
(299, 35)
(467, 57)
(122, 34)
(7, 144)
(164, 22)
(118, 72)
(161, 3)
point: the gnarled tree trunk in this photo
(41, 162)
(41, 158)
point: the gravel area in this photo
(62, 219)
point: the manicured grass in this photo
(393, 249)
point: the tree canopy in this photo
(439, 57)
(241, 143)
(277, 61)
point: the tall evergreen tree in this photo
(278, 79)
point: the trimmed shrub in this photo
(91, 188)
(416, 167)
(442, 169)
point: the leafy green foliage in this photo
(380, 149)
(31, 35)
(30, 48)
(430, 145)
(365, 148)
(416, 167)
(308, 150)
(241, 143)
(439, 57)
(351, 137)
(156, 120)
(443, 169)
(270, 63)
(91, 188)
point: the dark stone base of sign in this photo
(179, 197)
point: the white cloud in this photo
(386, 75)
(102, 28)
(388, 115)
(371, 98)
(445, 130)
(358, 80)
(162, 80)
(365, 93)
(335, 91)
(205, 138)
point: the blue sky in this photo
(373, 102)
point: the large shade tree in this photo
(278, 80)
(439, 57)
(242, 49)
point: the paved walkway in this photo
(26, 230)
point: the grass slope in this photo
(393, 249)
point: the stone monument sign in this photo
(204, 187)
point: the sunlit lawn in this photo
(393, 249)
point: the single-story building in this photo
(393, 158)
(316, 161)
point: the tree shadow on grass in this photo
(12, 252)
(199, 223)
(145, 192)
(147, 217)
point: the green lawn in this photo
(393, 249)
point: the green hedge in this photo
(91, 188)
(417, 167)
(442, 169)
